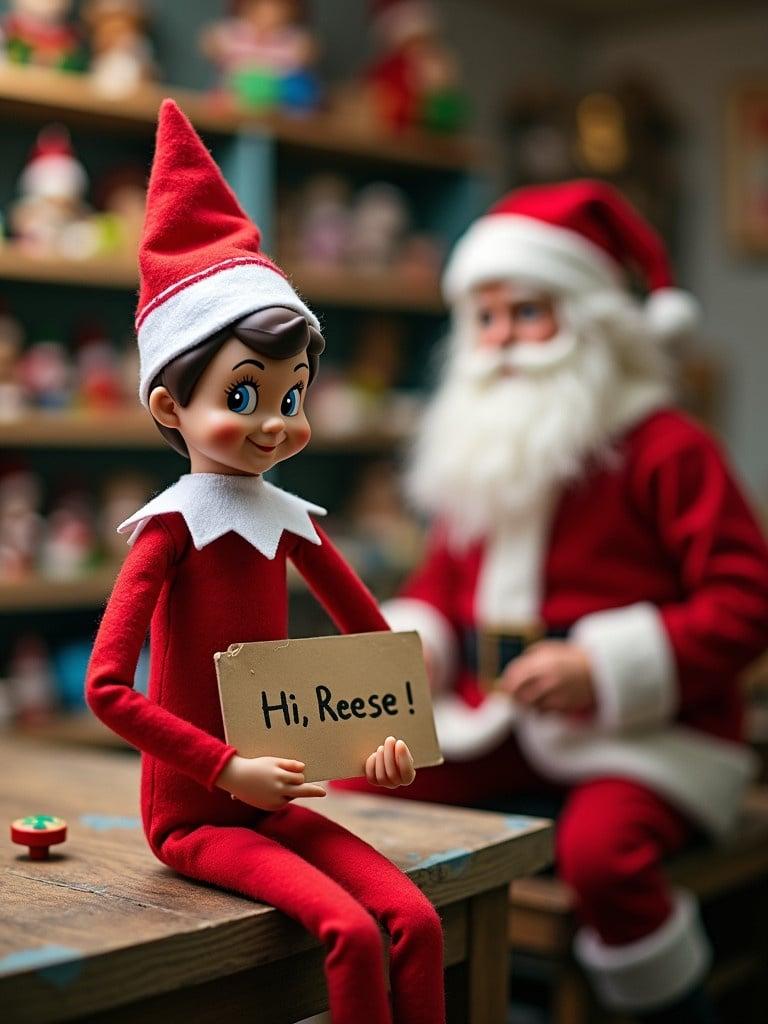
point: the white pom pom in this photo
(672, 314)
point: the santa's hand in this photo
(268, 783)
(391, 765)
(553, 675)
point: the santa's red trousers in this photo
(612, 835)
(338, 893)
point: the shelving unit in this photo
(345, 289)
(448, 176)
(132, 428)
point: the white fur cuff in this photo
(633, 666)
(654, 971)
(437, 636)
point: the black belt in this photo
(488, 652)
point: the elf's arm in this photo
(658, 662)
(110, 677)
(336, 585)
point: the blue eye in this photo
(485, 316)
(530, 310)
(243, 398)
(291, 402)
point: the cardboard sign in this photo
(328, 701)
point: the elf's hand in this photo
(553, 675)
(266, 782)
(391, 765)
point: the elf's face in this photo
(246, 413)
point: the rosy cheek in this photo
(299, 436)
(225, 433)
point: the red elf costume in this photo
(198, 550)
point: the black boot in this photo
(694, 1008)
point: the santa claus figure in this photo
(595, 580)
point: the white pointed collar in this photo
(215, 503)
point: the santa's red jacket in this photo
(654, 563)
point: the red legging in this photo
(612, 835)
(323, 876)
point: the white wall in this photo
(694, 62)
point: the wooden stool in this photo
(731, 882)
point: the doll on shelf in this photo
(38, 32)
(228, 351)
(265, 54)
(414, 81)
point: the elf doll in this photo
(227, 351)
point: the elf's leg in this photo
(248, 862)
(642, 944)
(416, 951)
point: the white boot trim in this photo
(654, 971)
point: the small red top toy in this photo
(39, 832)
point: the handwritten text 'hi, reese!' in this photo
(287, 712)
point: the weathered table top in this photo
(102, 922)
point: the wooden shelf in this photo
(379, 291)
(42, 93)
(107, 271)
(133, 428)
(129, 428)
(376, 291)
(42, 594)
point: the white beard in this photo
(492, 446)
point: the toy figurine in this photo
(51, 217)
(415, 80)
(377, 227)
(37, 32)
(323, 221)
(21, 525)
(99, 381)
(46, 375)
(228, 351)
(11, 343)
(121, 55)
(70, 545)
(265, 52)
(33, 692)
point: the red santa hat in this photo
(200, 261)
(53, 170)
(579, 237)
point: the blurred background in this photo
(363, 145)
(363, 140)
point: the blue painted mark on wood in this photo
(105, 822)
(517, 822)
(454, 861)
(59, 965)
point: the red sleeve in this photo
(436, 580)
(720, 623)
(109, 688)
(336, 585)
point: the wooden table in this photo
(103, 932)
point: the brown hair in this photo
(277, 332)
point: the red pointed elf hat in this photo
(578, 237)
(200, 264)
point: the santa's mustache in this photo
(521, 358)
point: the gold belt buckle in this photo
(489, 667)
